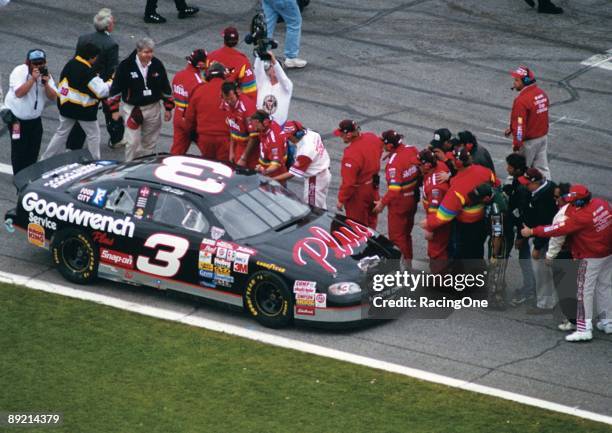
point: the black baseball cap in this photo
(391, 137)
(345, 127)
(440, 136)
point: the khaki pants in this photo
(546, 296)
(535, 152)
(594, 280)
(58, 142)
(142, 141)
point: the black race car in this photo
(201, 227)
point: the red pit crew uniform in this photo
(312, 164)
(240, 67)
(456, 204)
(402, 175)
(529, 126)
(240, 128)
(273, 149)
(589, 232)
(433, 194)
(183, 84)
(206, 115)
(360, 162)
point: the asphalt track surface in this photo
(414, 66)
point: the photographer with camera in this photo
(289, 11)
(30, 88)
(275, 88)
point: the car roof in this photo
(144, 170)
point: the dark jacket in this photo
(79, 90)
(518, 200)
(540, 211)
(130, 86)
(481, 156)
(109, 52)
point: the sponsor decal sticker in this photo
(207, 274)
(66, 174)
(209, 284)
(216, 232)
(102, 239)
(116, 258)
(304, 310)
(203, 266)
(271, 266)
(221, 253)
(36, 235)
(304, 287)
(321, 300)
(99, 199)
(68, 213)
(85, 194)
(205, 257)
(223, 280)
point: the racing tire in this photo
(75, 256)
(268, 300)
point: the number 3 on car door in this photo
(172, 258)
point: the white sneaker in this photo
(580, 336)
(295, 63)
(566, 326)
(605, 327)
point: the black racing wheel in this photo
(75, 256)
(268, 300)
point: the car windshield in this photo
(268, 207)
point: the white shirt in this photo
(23, 108)
(310, 146)
(274, 99)
(556, 243)
(144, 70)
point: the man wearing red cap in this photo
(457, 204)
(183, 84)
(588, 227)
(205, 115)
(434, 190)
(402, 175)
(529, 120)
(359, 170)
(311, 163)
(236, 61)
(244, 139)
(272, 145)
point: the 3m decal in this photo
(187, 172)
(36, 235)
(178, 248)
(68, 213)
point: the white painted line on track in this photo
(5, 168)
(603, 61)
(274, 340)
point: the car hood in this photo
(325, 247)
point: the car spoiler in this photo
(35, 171)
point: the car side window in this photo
(121, 199)
(179, 212)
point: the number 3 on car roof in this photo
(187, 172)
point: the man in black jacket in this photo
(540, 210)
(78, 94)
(480, 155)
(104, 24)
(141, 82)
(518, 199)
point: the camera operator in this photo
(30, 88)
(275, 88)
(289, 11)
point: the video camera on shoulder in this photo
(259, 37)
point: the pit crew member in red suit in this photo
(402, 175)
(272, 145)
(588, 229)
(205, 115)
(529, 120)
(239, 109)
(183, 83)
(359, 170)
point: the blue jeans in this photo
(289, 10)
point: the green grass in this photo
(108, 370)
